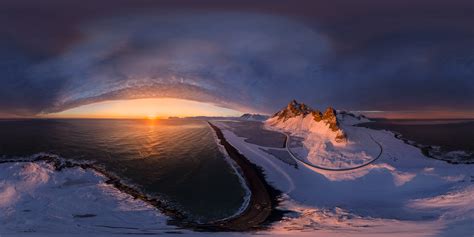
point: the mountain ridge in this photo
(253, 117)
(296, 109)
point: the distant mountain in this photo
(254, 117)
(299, 117)
(210, 118)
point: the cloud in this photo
(23, 92)
(232, 60)
(245, 61)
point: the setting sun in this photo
(151, 117)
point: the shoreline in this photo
(259, 211)
(176, 217)
(425, 149)
(236, 168)
(261, 208)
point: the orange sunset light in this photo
(151, 116)
(145, 109)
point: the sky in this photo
(151, 108)
(398, 58)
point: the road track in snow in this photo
(288, 139)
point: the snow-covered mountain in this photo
(297, 117)
(326, 139)
(382, 182)
(254, 117)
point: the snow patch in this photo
(457, 203)
(338, 221)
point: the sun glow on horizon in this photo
(152, 117)
(151, 109)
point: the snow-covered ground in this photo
(403, 193)
(37, 199)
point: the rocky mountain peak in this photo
(294, 109)
(330, 117)
(317, 115)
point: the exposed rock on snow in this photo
(330, 119)
(293, 109)
(317, 115)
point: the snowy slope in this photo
(321, 145)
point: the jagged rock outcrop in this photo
(317, 115)
(294, 109)
(330, 118)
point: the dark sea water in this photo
(447, 139)
(176, 160)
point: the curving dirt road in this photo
(331, 169)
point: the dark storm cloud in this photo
(250, 55)
(22, 90)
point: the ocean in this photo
(450, 139)
(177, 160)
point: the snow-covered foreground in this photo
(36, 199)
(403, 193)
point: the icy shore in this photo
(36, 198)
